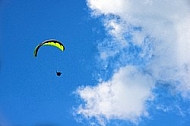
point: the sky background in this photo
(126, 63)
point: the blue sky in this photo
(126, 63)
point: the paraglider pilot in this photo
(58, 73)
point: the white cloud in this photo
(151, 36)
(167, 22)
(105, 7)
(124, 96)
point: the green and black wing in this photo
(54, 43)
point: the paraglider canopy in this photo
(50, 42)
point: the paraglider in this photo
(54, 43)
(58, 73)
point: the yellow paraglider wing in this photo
(54, 43)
